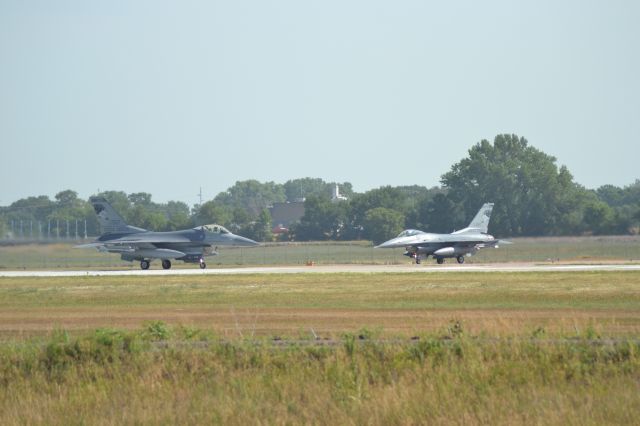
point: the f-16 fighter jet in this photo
(466, 241)
(189, 245)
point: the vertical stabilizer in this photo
(110, 221)
(481, 220)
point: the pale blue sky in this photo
(165, 97)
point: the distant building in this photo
(285, 214)
(335, 195)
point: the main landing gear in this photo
(440, 260)
(460, 259)
(144, 264)
(166, 264)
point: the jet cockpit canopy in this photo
(409, 233)
(215, 229)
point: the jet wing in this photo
(138, 240)
(117, 244)
(150, 240)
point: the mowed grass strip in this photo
(290, 304)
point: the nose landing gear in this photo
(202, 264)
(144, 264)
(166, 264)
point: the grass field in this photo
(330, 304)
(384, 348)
(552, 249)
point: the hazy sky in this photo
(165, 97)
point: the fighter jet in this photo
(189, 245)
(466, 241)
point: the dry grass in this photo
(330, 304)
(493, 348)
(115, 378)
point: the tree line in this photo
(533, 196)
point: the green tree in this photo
(322, 220)
(251, 195)
(4, 229)
(394, 198)
(262, 227)
(439, 214)
(381, 224)
(598, 216)
(146, 218)
(30, 208)
(240, 220)
(140, 198)
(178, 214)
(531, 195)
(213, 212)
(306, 187)
(67, 211)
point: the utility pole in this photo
(200, 196)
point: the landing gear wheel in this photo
(417, 260)
(440, 260)
(203, 265)
(460, 259)
(144, 264)
(166, 264)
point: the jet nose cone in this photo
(386, 244)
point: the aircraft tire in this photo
(417, 260)
(144, 264)
(166, 264)
(440, 260)
(203, 265)
(460, 259)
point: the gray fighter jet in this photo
(189, 245)
(466, 241)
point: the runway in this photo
(329, 269)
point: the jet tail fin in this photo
(480, 223)
(481, 220)
(110, 221)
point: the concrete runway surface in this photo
(328, 269)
